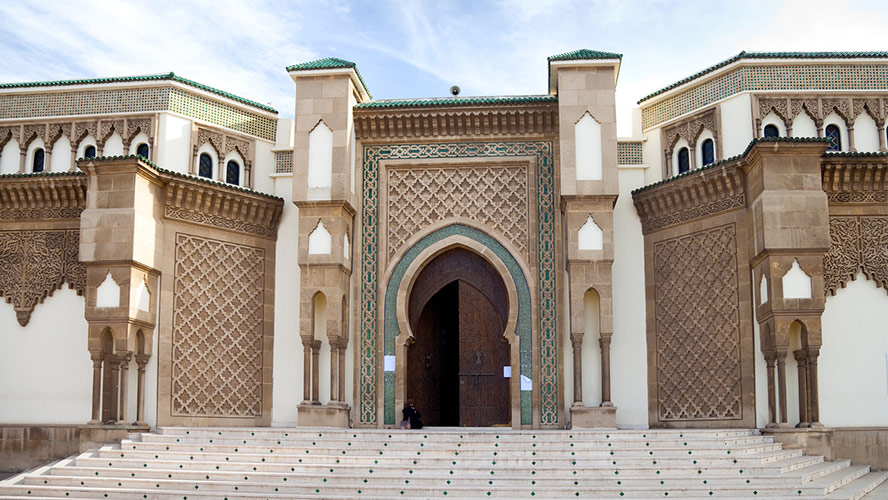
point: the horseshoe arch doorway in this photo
(459, 361)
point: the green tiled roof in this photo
(329, 63)
(456, 101)
(42, 174)
(745, 152)
(855, 154)
(142, 78)
(204, 180)
(768, 55)
(579, 54)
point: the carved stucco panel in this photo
(34, 264)
(697, 326)
(858, 244)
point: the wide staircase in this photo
(227, 463)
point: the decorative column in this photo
(315, 374)
(141, 362)
(334, 372)
(125, 359)
(770, 358)
(880, 126)
(604, 342)
(813, 394)
(73, 159)
(692, 155)
(96, 389)
(47, 159)
(781, 387)
(306, 371)
(343, 345)
(851, 146)
(114, 361)
(802, 361)
(576, 340)
(22, 154)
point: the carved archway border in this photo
(518, 331)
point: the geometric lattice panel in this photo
(492, 195)
(697, 326)
(217, 328)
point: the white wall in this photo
(803, 126)
(761, 369)
(736, 123)
(263, 166)
(61, 156)
(9, 158)
(629, 343)
(588, 148)
(287, 372)
(652, 152)
(852, 365)
(140, 138)
(174, 142)
(113, 146)
(866, 134)
(45, 369)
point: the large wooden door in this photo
(455, 365)
(483, 390)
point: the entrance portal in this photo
(455, 367)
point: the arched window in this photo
(771, 130)
(708, 152)
(38, 160)
(206, 166)
(684, 160)
(833, 133)
(232, 174)
(89, 152)
(143, 150)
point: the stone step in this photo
(445, 441)
(871, 486)
(437, 449)
(666, 468)
(182, 463)
(583, 460)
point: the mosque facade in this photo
(173, 254)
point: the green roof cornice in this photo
(329, 63)
(744, 154)
(142, 78)
(449, 102)
(161, 170)
(855, 154)
(41, 175)
(583, 54)
(768, 55)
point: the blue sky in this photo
(415, 49)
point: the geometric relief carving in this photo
(697, 326)
(34, 264)
(858, 244)
(694, 212)
(217, 328)
(494, 196)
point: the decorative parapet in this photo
(42, 196)
(855, 177)
(716, 188)
(456, 117)
(202, 201)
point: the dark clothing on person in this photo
(412, 415)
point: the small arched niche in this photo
(796, 283)
(319, 241)
(590, 235)
(320, 162)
